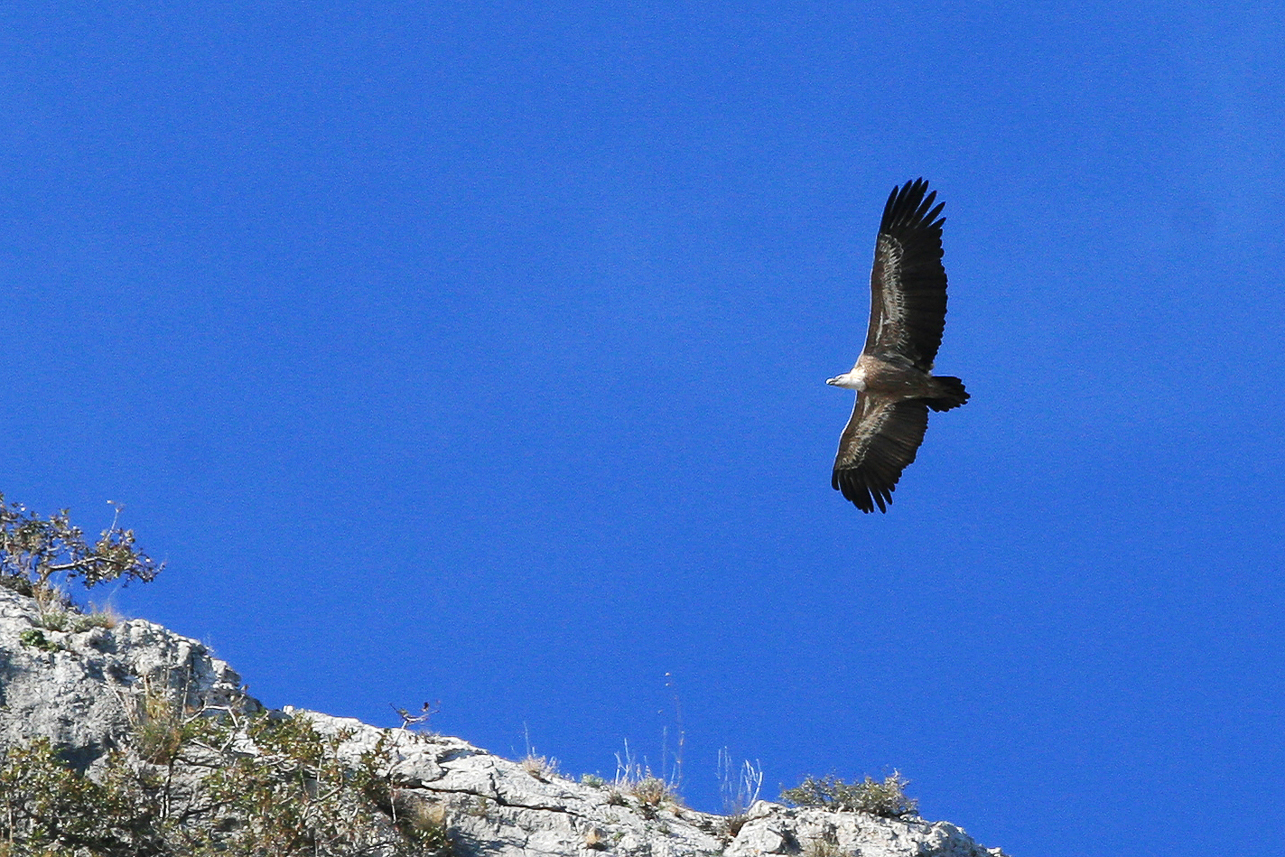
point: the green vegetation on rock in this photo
(885, 799)
(203, 783)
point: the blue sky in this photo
(476, 353)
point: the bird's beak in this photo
(831, 381)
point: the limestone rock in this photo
(81, 689)
(75, 687)
(774, 829)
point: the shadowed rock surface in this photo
(82, 690)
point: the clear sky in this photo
(475, 352)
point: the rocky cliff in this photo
(129, 696)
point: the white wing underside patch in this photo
(892, 335)
(867, 427)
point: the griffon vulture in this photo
(893, 376)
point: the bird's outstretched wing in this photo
(908, 282)
(881, 438)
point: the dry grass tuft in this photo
(541, 767)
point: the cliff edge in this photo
(163, 728)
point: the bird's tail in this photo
(951, 393)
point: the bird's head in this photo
(849, 381)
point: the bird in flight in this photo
(893, 376)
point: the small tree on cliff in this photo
(37, 554)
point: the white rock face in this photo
(75, 688)
(78, 689)
(774, 829)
